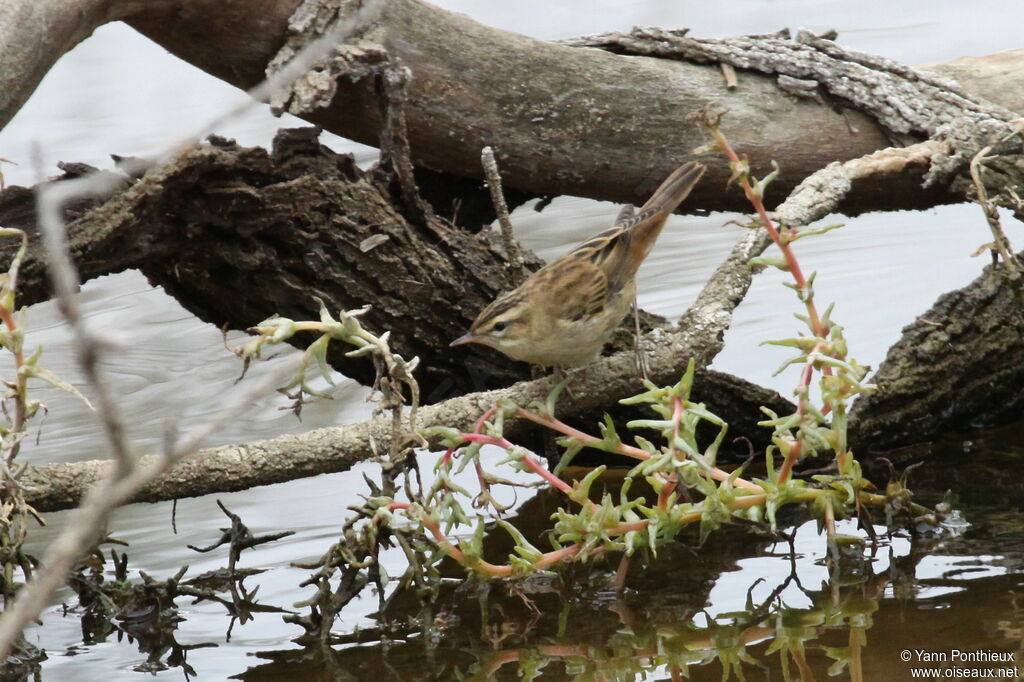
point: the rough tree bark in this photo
(959, 366)
(239, 234)
(558, 131)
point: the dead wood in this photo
(568, 130)
(237, 234)
(959, 366)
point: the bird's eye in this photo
(499, 327)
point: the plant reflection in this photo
(576, 626)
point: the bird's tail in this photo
(648, 221)
(675, 188)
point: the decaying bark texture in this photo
(238, 234)
(912, 105)
(957, 367)
(580, 122)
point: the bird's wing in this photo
(609, 251)
(583, 289)
(625, 213)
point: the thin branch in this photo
(512, 252)
(119, 485)
(88, 345)
(1000, 242)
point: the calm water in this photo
(119, 93)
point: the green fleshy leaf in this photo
(523, 547)
(43, 374)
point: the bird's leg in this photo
(562, 379)
(641, 361)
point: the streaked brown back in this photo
(639, 230)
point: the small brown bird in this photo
(564, 313)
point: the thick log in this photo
(565, 129)
(238, 234)
(957, 367)
(558, 130)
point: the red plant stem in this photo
(622, 448)
(672, 481)
(830, 520)
(565, 429)
(555, 556)
(785, 471)
(480, 477)
(446, 458)
(531, 462)
(791, 262)
(479, 427)
(20, 387)
(677, 417)
(744, 502)
(493, 570)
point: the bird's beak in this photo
(464, 339)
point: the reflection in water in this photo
(143, 611)
(748, 604)
(851, 625)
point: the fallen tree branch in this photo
(959, 366)
(902, 99)
(237, 467)
(219, 219)
(564, 124)
(566, 119)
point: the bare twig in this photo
(84, 526)
(729, 73)
(1000, 243)
(88, 345)
(515, 257)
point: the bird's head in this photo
(503, 325)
